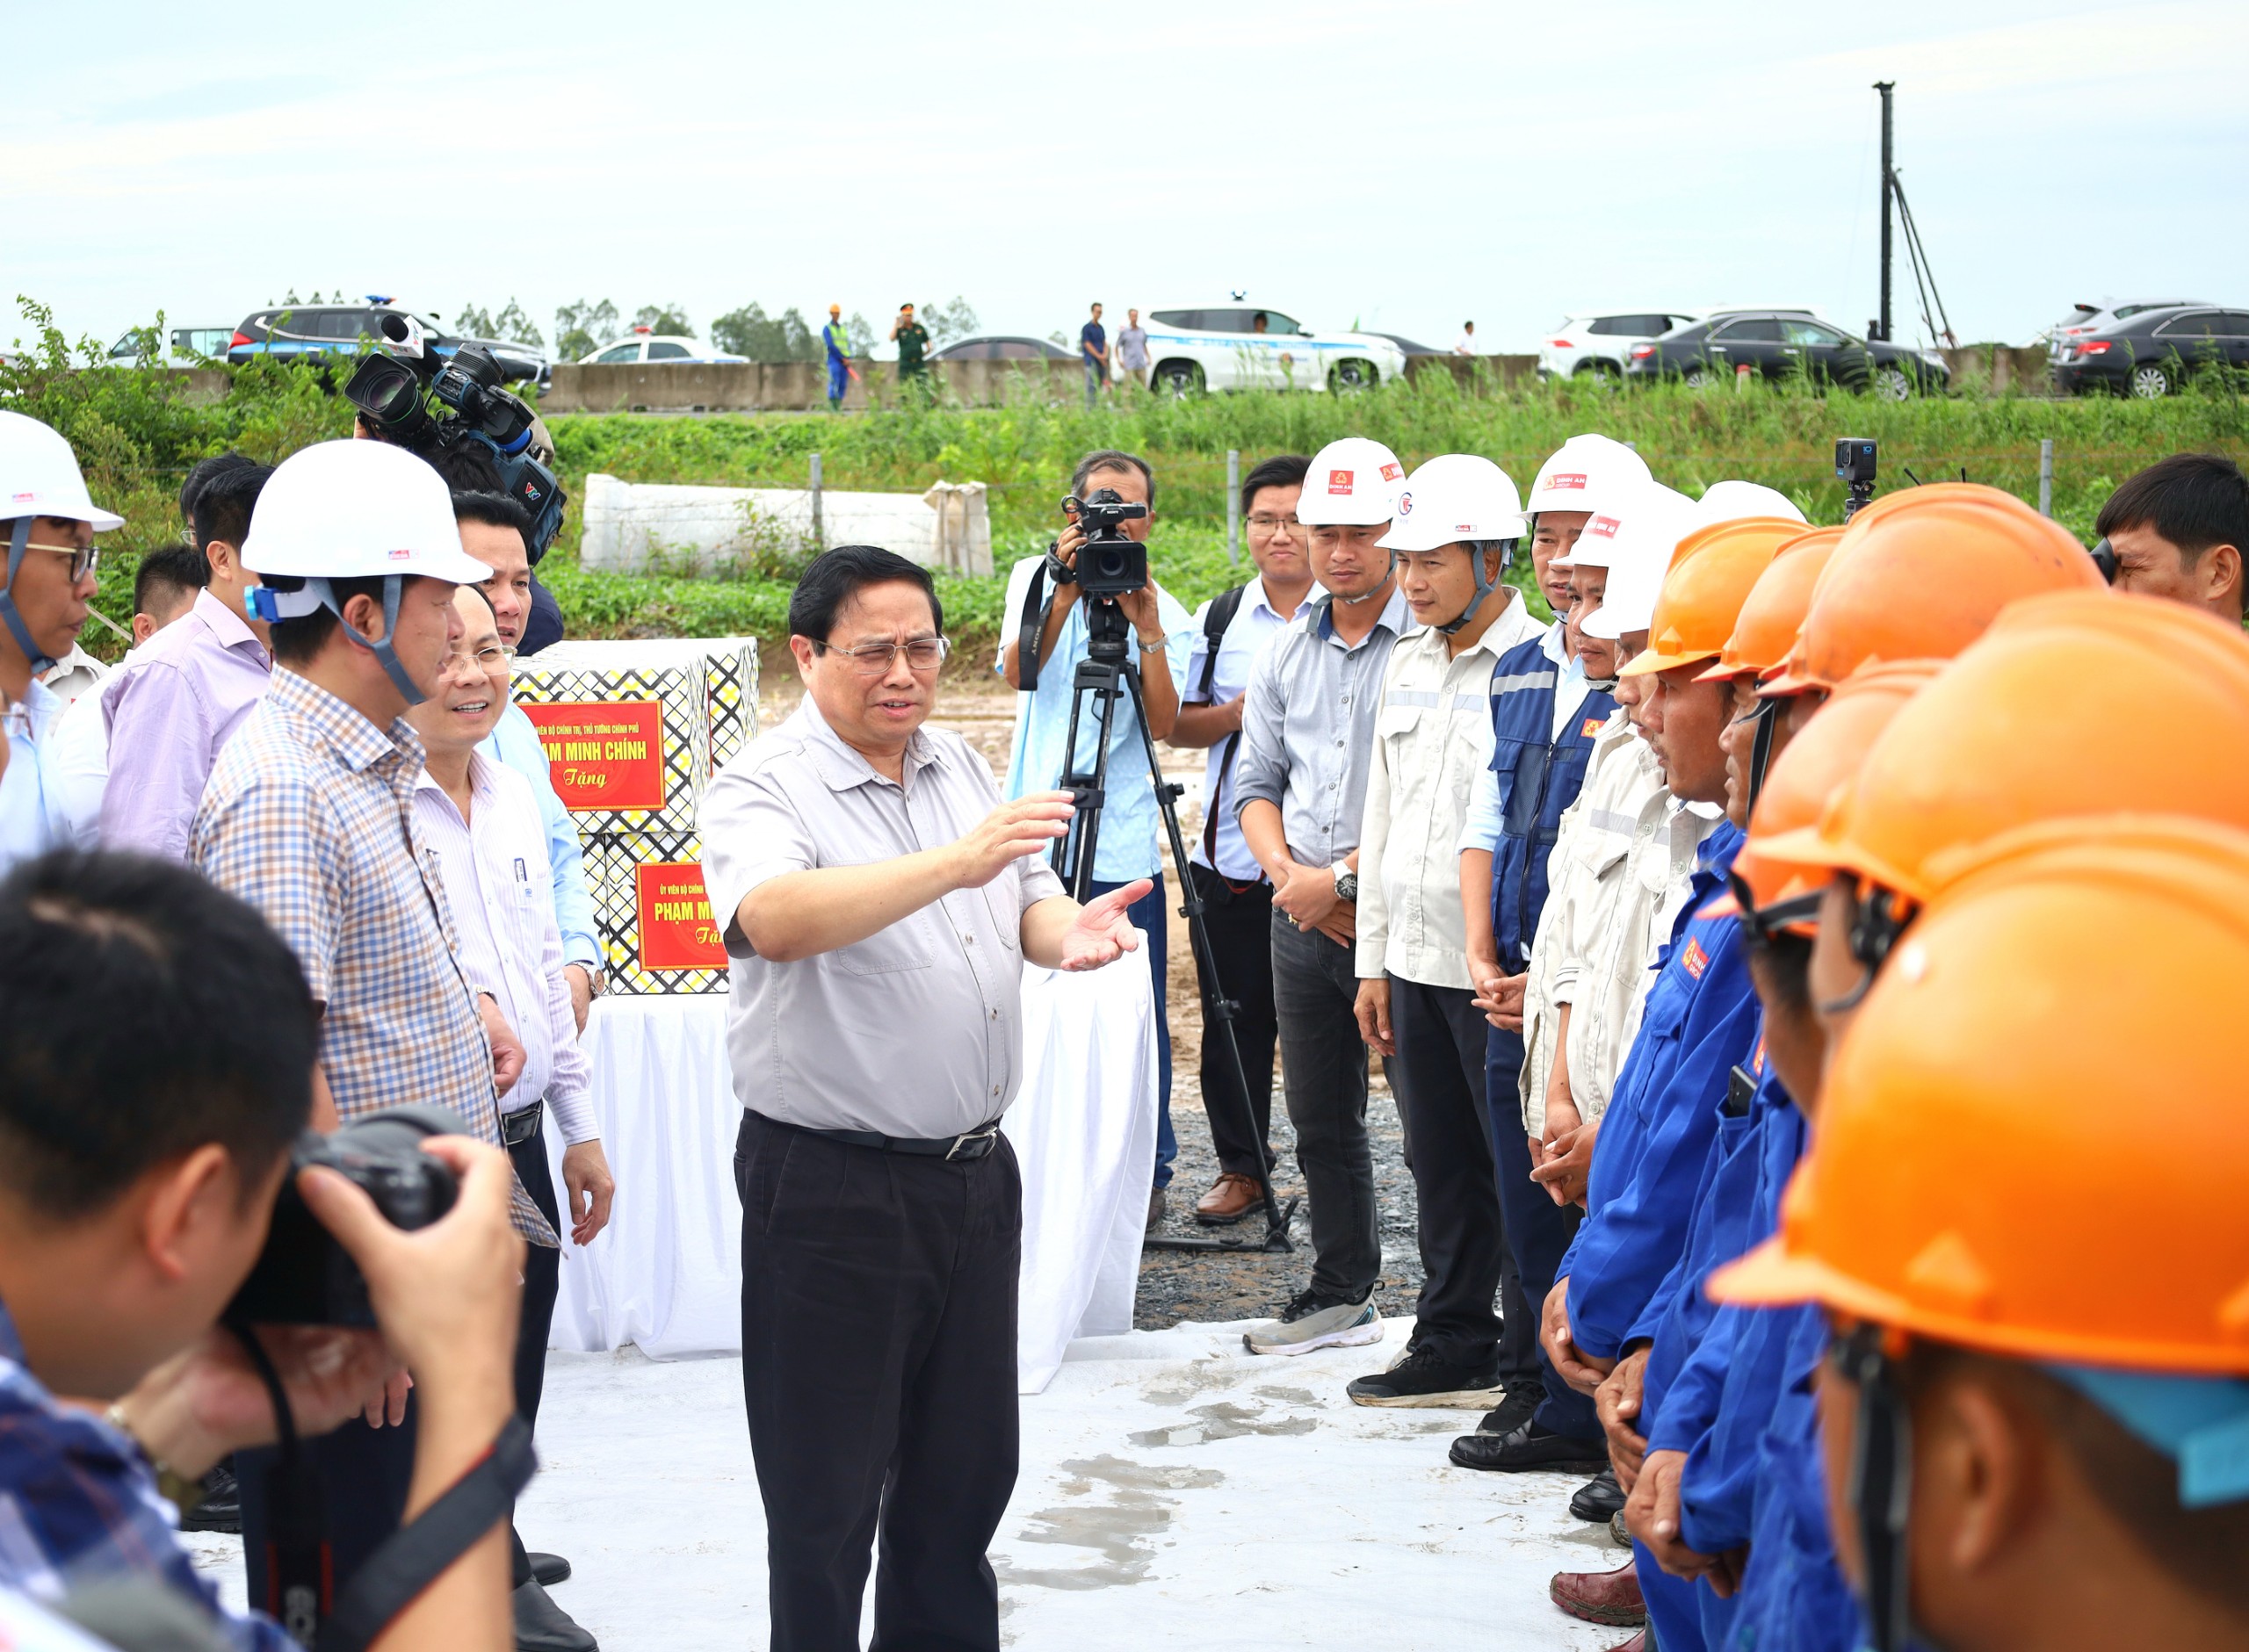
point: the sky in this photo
(1401, 167)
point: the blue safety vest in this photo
(1540, 776)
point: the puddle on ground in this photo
(1293, 1397)
(1176, 1388)
(1224, 1420)
(1118, 1530)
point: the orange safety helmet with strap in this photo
(1771, 615)
(1711, 572)
(1922, 577)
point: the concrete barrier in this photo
(1473, 372)
(2000, 370)
(662, 528)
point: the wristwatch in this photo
(1347, 883)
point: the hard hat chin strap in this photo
(1881, 1484)
(19, 541)
(1478, 549)
(386, 656)
(1761, 749)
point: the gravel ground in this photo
(1179, 1285)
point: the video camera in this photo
(1109, 565)
(388, 388)
(303, 1277)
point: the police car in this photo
(1244, 346)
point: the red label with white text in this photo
(677, 930)
(602, 755)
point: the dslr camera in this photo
(303, 1277)
(1109, 565)
(398, 392)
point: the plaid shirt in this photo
(309, 817)
(78, 1505)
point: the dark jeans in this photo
(1323, 1083)
(878, 1370)
(1240, 923)
(542, 1282)
(1148, 912)
(1438, 1076)
(1539, 1232)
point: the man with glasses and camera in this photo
(45, 587)
(1127, 850)
(877, 901)
(1231, 632)
(481, 823)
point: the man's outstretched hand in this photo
(1101, 933)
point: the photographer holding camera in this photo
(137, 1178)
(1127, 849)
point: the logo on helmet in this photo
(1566, 479)
(1339, 481)
(1465, 529)
(1602, 527)
(1405, 504)
(26, 498)
(1392, 473)
(401, 555)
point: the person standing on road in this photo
(878, 902)
(1308, 728)
(1231, 632)
(838, 340)
(1132, 349)
(1093, 346)
(913, 341)
(1460, 519)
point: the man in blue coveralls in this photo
(837, 341)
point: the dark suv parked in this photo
(2153, 352)
(297, 331)
(1782, 345)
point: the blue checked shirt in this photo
(78, 1505)
(309, 817)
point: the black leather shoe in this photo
(1599, 1499)
(1513, 1411)
(550, 1570)
(1529, 1446)
(542, 1627)
(220, 1508)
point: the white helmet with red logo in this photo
(1588, 473)
(1454, 499)
(1352, 483)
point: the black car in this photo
(1003, 347)
(1409, 346)
(2152, 353)
(1778, 344)
(293, 332)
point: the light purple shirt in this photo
(186, 691)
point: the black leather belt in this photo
(968, 1145)
(520, 1126)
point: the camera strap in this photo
(300, 1564)
(1031, 625)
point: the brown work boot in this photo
(1232, 1197)
(1600, 1597)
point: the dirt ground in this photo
(1178, 1285)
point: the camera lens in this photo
(1110, 565)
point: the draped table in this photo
(666, 1275)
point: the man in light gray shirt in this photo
(878, 902)
(1307, 732)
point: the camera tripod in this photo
(1107, 674)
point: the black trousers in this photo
(1240, 926)
(1438, 1076)
(542, 1282)
(878, 1371)
(1324, 1081)
(365, 1473)
(1539, 1232)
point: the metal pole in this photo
(1885, 86)
(819, 534)
(2046, 476)
(1233, 506)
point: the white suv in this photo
(1243, 347)
(1602, 343)
(656, 346)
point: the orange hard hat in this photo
(2049, 715)
(1969, 1119)
(1711, 573)
(1922, 579)
(1773, 610)
(1824, 754)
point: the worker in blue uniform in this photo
(838, 342)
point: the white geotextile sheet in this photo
(667, 1274)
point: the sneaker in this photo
(1529, 1446)
(1314, 1321)
(1419, 1378)
(1513, 1411)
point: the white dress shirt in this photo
(1254, 624)
(494, 870)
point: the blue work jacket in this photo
(1540, 774)
(1699, 1022)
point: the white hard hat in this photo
(1649, 530)
(39, 476)
(1588, 473)
(1735, 501)
(1352, 483)
(1452, 497)
(356, 511)
(1596, 545)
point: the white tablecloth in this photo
(667, 1274)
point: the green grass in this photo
(138, 435)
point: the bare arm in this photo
(1157, 689)
(1201, 726)
(1261, 829)
(1476, 908)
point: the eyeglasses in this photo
(487, 658)
(873, 660)
(84, 558)
(1265, 522)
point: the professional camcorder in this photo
(303, 1276)
(388, 389)
(1109, 564)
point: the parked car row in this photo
(298, 332)
(2150, 351)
